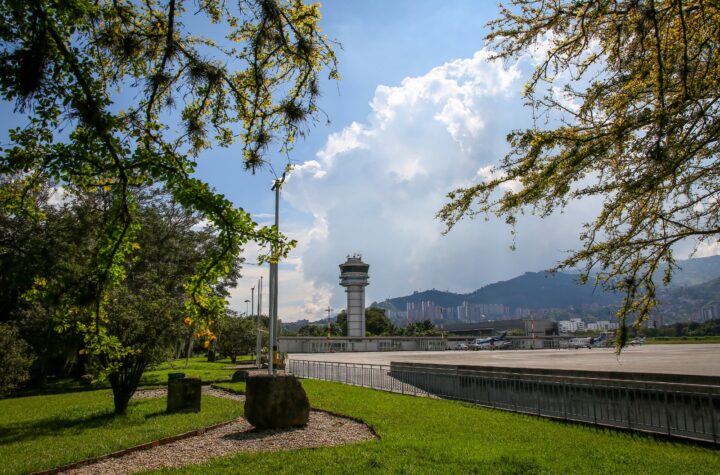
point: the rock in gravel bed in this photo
(322, 430)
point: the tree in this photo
(423, 328)
(21, 235)
(320, 330)
(635, 85)
(15, 359)
(145, 311)
(34, 242)
(236, 336)
(341, 321)
(376, 323)
(64, 64)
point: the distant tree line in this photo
(708, 328)
(376, 324)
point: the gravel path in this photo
(206, 390)
(323, 430)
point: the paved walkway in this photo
(700, 359)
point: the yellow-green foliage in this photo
(632, 91)
(67, 64)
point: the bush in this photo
(15, 359)
(235, 336)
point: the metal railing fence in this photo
(366, 375)
(684, 411)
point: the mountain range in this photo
(536, 290)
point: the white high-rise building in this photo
(571, 326)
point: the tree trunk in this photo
(189, 350)
(125, 381)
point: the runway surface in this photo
(700, 359)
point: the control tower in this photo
(354, 277)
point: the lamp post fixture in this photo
(274, 277)
(258, 338)
(328, 310)
(247, 307)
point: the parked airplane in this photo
(491, 343)
(587, 342)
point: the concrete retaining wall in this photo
(682, 406)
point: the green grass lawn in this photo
(42, 432)
(418, 435)
(670, 340)
(197, 367)
(429, 436)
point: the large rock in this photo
(239, 375)
(184, 395)
(275, 402)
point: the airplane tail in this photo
(598, 339)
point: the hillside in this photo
(694, 271)
(530, 290)
(680, 304)
(534, 290)
(542, 290)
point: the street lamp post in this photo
(252, 302)
(258, 338)
(247, 307)
(328, 310)
(274, 277)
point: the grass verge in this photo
(430, 436)
(238, 387)
(675, 340)
(197, 367)
(42, 432)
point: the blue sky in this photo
(383, 43)
(420, 110)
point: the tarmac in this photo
(697, 359)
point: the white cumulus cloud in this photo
(376, 186)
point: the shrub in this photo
(15, 359)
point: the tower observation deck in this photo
(354, 277)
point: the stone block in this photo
(184, 395)
(275, 401)
(239, 375)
